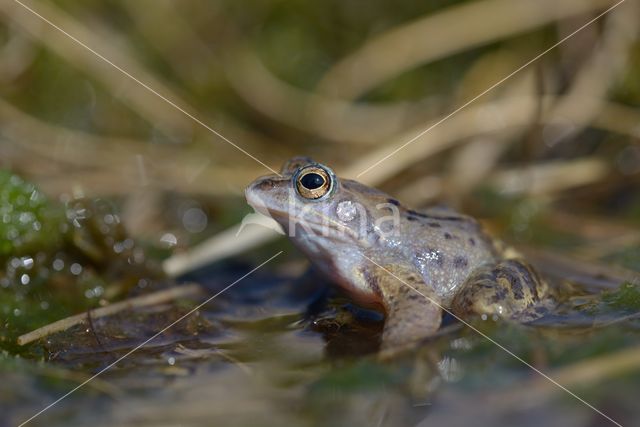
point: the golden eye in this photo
(313, 182)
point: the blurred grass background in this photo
(549, 160)
(344, 82)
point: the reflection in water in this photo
(259, 355)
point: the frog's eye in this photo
(313, 182)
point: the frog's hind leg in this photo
(412, 310)
(509, 289)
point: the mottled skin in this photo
(412, 264)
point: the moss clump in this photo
(28, 221)
(626, 298)
(57, 260)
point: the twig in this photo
(142, 301)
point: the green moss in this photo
(28, 221)
(627, 297)
(58, 260)
(360, 376)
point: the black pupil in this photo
(311, 181)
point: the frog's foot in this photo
(412, 310)
(509, 289)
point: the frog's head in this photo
(321, 212)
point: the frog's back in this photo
(446, 246)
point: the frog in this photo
(413, 265)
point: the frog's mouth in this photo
(309, 225)
(295, 219)
(321, 226)
(267, 207)
(259, 205)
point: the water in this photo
(271, 352)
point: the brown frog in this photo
(414, 264)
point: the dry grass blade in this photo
(481, 119)
(331, 118)
(546, 179)
(588, 92)
(587, 273)
(485, 119)
(437, 36)
(229, 242)
(143, 102)
(551, 177)
(585, 373)
(110, 165)
(65, 146)
(182, 291)
(114, 65)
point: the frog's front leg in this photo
(411, 307)
(510, 289)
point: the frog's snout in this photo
(263, 184)
(258, 192)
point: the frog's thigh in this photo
(510, 288)
(411, 309)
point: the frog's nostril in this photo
(264, 184)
